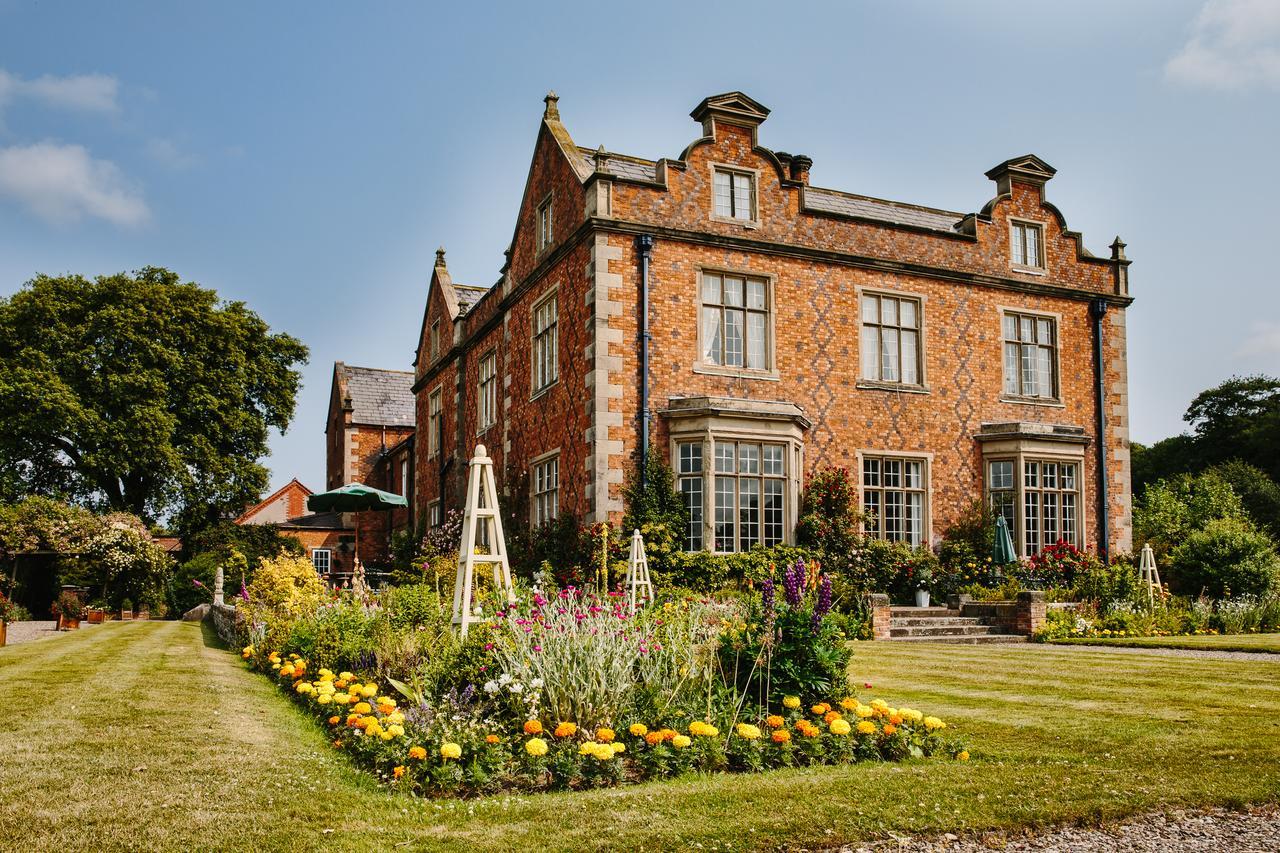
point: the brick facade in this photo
(818, 250)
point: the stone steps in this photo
(973, 640)
(942, 625)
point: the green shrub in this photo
(1169, 511)
(657, 510)
(339, 635)
(414, 607)
(1228, 557)
(1104, 584)
(703, 571)
(283, 590)
(971, 538)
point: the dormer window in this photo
(1027, 244)
(544, 225)
(735, 195)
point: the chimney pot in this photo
(800, 166)
(552, 111)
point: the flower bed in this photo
(447, 749)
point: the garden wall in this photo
(225, 618)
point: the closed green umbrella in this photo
(355, 497)
(1003, 551)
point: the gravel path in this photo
(1211, 654)
(1255, 831)
(25, 632)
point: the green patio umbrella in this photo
(355, 497)
(1003, 551)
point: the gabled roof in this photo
(377, 397)
(469, 295)
(292, 486)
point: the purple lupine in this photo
(793, 583)
(768, 596)
(244, 592)
(823, 607)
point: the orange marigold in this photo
(780, 736)
(532, 727)
(820, 709)
(333, 721)
(566, 730)
(831, 715)
(812, 731)
(773, 721)
(417, 753)
(653, 738)
(605, 735)
(492, 739)
(890, 728)
(398, 771)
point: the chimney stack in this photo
(800, 166)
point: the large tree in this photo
(140, 393)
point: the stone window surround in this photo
(552, 292)
(536, 461)
(545, 240)
(1036, 442)
(876, 385)
(1056, 400)
(1028, 269)
(434, 518)
(328, 559)
(706, 419)
(733, 168)
(481, 425)
(700, 365)
(926, 521)
(435, 411)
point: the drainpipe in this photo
(1098, 310)
(645, 243)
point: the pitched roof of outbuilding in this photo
(378, 397)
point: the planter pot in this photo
(143, 614)
(65, 623)
(922, 598)
(96, 617)
(4, 632)
(126, 614)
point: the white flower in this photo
(536, 684)
(516, 687)
(491, 687)
(505, 678)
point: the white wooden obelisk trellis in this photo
(481, 513)
(638, 583)
(1149, 574)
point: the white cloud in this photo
(1263, 340)
(62, 183)
(1234, 44)
(86, 92)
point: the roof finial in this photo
(601, 159)
(1117, 249)
(552, 100)
(440, 256)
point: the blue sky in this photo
(308, 158)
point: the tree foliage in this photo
(657, 510)
(140, 393)
(1171, 510)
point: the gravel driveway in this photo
(25, 632)
(1256, 831)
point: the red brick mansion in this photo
(752, 327)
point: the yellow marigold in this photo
(334, 720)
(303, 687)
(680, 741)
(386, 700)
(933, 723)
(962, 755)
(398, 771)
(773, 721)
(603, 752)
(863, 711)
(362, 708)
(346, 676)
(780, 736)
(354, 688)
(395, 717)
(566, 730)
(831, 715)
(880, 706)
(791, 702)
(586, 747)
(638, 729)
(372, 727)
(286, 671)
(910, 714)
(532, 727)
(840, 726)
(618, 747)
(492, 739)
(701, 729)
(247, 650)
(848, 703)
(342, 698)
(385, 734)
(396, 730)
(866, 727)
(746, 731)
(324, 698)
(536, 746)
(820, 709)
(369, 691)
(417, 752)
(449, 750)
(605, 735)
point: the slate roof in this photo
(381, 397)
(864, 207)
(816, 198)
(317, 521)
(469, 295)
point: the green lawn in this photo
(144, 735)
(1211, 642)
